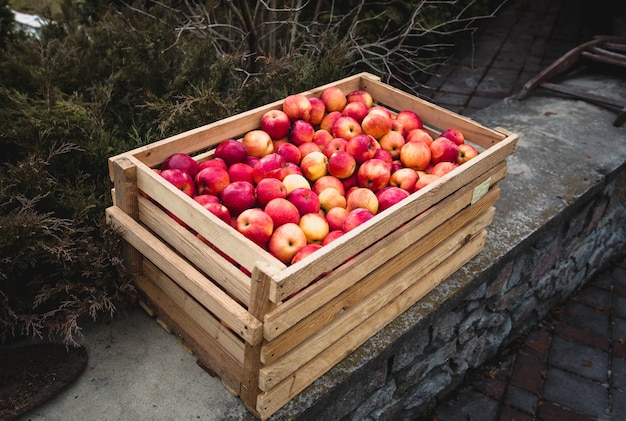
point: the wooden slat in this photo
(270, 402)
(192, 281)
(324, 314)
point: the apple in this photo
(252, 160)
(270, 166)
(289, 152)
(362, 147)
(330, 198)
(385, 156)
(415, 155)
(392, 142)
(334, 98)
(327, 181)
(389, 196)
(275, 123)
(255, 225)
(181, 161)
(397, 126)
(335, 217)
(314, 165)
(361, 95)
(466, 152)
(356, 217)
(238, 196)
(294, 181)
(342, 165)
(315, 227)
(218, 210)
(212, 180)
(405, 178)
(307, 148)
(346, 127)
(258, 143)
(419, 134)
(322, 137)
(297, 107)
(334, 145)
(231, 151)
(282, 211)
(362, 197)
(374, 174)
(442, 168)
(424, 180)
(357, 110)
(240, 171)
(180, 179)
(301, 132)
(305, 251)
(454, 135)
(329, 120)
(268, 189)
(332, 236)
(318, 111)
(376, 123)
(409, 120)
(291, 168)
(443, 150)
(349, 182)
(286, 240)
(305, 200)
(203, 199)
(215, 162)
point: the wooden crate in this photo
(228, 302)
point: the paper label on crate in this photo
(480, 190)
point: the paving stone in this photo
(566, 389)
(577, 358)
(549, 411)
(618, 373)
(586, 317)
(572, 333)
(469, 405)
(521, 399)
(528, 373)
(619, 329)
(509, 414)
(618, 408)
(595, 297)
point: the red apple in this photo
(361, 96)
(301, 132)
(335, 217)
(454, 135)
(424, 180)
(286, 240)
(291, 168)
(218, 210)
(238, 196)
(314, 165)
(297, 107)
(334, 98)
(357, 110)
(346, 127)
(294, 181)
(443, 150)
(231, 151)
(356, 217)
(275, 123)
(180, 179)
(397, 126)
(282, 211)
(405, 178)
(334, 145)
(409, 120)
(385, 156)
(203, 199)
(374, 174)
(376, 123)
(305, 251)
(392, 142)
(305, 200)
(442, 168)
(181, 161)
(212, 180)
(314, 226)
(332, 236)
(327, 181)
(389, 196)
(415, 155)
(362, 197)
(341, 164)
(307, 148)
(258, 143)
(215, 162)
(362, 147)
(270, 166)
(322, 137)
(331, 198)
(419, 134)
(466, 152)
(318, 111)
(255, 225)
(329, 120)
(252, 160)
(240, 172)
(289, 152)
(350, 181)
(268, 189)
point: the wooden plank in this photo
(379, 288)
(190, 279)
(214, 265)
(269, 402)
(209, 353)
(324, 314)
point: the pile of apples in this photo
(316, 169)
